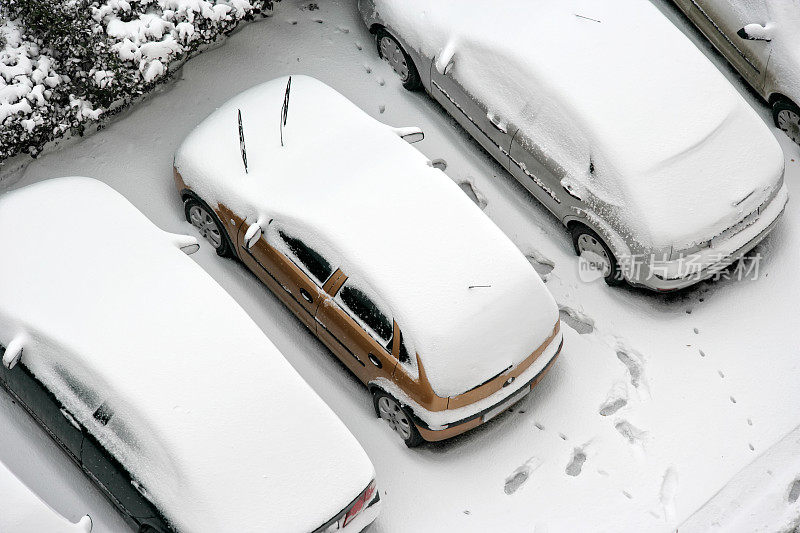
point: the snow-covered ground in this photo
(656, 402)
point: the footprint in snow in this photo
(342, 29)
(634, 362)
(381, 109)
(358, 45)
(474, 194)
(368, 68)
(576, 320)
(576, 462)
(631, 433)
(541, 264)
(519, 476)
(617, 399)
(669, 491)
(794, 490)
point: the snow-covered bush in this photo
(33, 104)
(67, 62)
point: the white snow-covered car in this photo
(609, 116)
(761, 39)
(22, 511)
(380, 255)
(156, 383)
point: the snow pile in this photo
(22, 510)
(651, 136)
(466, 299)
(210, 420)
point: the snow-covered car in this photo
(376, 251)
(762, 41)
(156, 383)
(609, 116)
(21, 510)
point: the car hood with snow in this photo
(643, 126)
(210, 420)
(22, 510)
(467, 301)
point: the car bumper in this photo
(728, 253)
(484, 415)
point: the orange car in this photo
(378, 253)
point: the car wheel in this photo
(397, 417)
(587, 241)
(390, 51)
(202, 217)
(787, 117)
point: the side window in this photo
(366, 312)
(404, 358)
(311, 261)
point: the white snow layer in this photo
(210, 419)
(465, 298)
(763, 497)
(611, 85)
(21, 510)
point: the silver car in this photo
(762, 41)
(661, 172)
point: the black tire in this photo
(414, 439)
(413, 83)
(614, 277)
(225, 249)
(786, 105)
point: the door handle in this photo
(306, 296)
(375, 361)
(571, 191)
(496, 123)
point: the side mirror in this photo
(185, 243)
(444, 63)
(441, 164)
(254, 233)
(410, 135)
(755, 32)
(13, 353)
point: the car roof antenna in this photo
(285, 107)
(241, 142)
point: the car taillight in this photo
(361, 503)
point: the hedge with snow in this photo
(66, 63)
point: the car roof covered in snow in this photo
(207, 416)
(641, 123)
(467, 301)
(22, 510)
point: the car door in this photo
(359, 328)
(294, 270)
(45, 408)
(492, 131)
(115, 481)
(720, 20)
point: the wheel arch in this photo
(776, 97)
